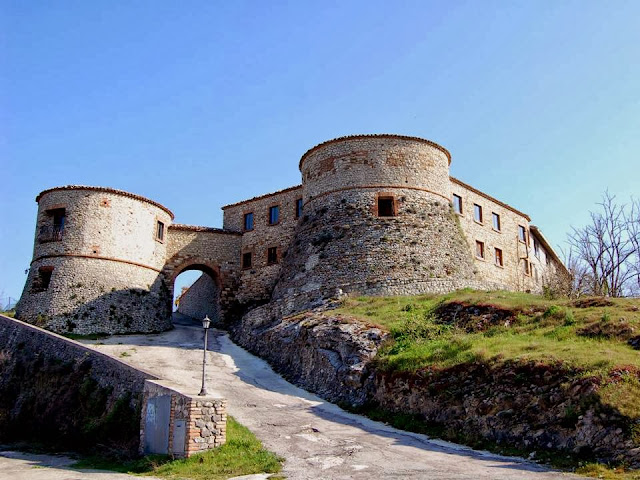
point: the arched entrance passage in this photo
(202, 296)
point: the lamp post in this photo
(205, 324)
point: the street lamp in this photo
(205, 324)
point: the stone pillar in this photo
(179, 424)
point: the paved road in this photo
(318, 439)
(29, 466)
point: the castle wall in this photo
(257, 282)
(91, 269)
(344, 243)
(211, 250)
(373, 216)
(512, 274)
(202, 298)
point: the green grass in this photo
(9, 313)
(242, 454)
(590, 335)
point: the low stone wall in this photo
(57, 392)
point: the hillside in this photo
(511, 369)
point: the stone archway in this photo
(204, 295)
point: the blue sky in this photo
(197, 104)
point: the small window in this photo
(298, 208)
(54, 229)
(479, 249)
(272, 255)
(160, 231)
(526, 267)
(248, 222)
(477, 213)
(536, 248)
(385, 207)
(246, 260)
(274, 215)
(499, 261)
(522, 234)
(495, 218)
(535, 273)
(42, 279)
(457, 204)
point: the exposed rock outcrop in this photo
(323, 353)
(523, 404)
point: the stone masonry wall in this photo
(203, 420)
(97, 296)
(257, 282)
(343, 243)
(105, 259)
(202, 298)
(213, 251)
(511, 275)
(57, 392)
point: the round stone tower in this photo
(377, 220)
(97, 258)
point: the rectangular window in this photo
(274, 215)
(246, 260)
(248, 222)
(495, 218)
(272, 255)
(526, 267)
(53, 230)
(457, 204)
(499, 258)
(42, 280)
(536, 248)
(477, 213)
(298, 208)
(479, 249)
(522, 234)
(160, 231)
(385, 207)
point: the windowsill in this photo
(272, 263)
(250, 230)
(479, 223)
(481, 259)
(497, 231)
(499, 266)
(274, 224)
(246, 268)
(159, 241)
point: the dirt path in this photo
(318, 439)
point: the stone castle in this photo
(374, 215)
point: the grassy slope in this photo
(591, 335)
(242, 454)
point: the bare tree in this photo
(633, 225)
(606, 250)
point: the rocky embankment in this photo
(531, 406)
(320, 352)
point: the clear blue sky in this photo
(197, 104)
